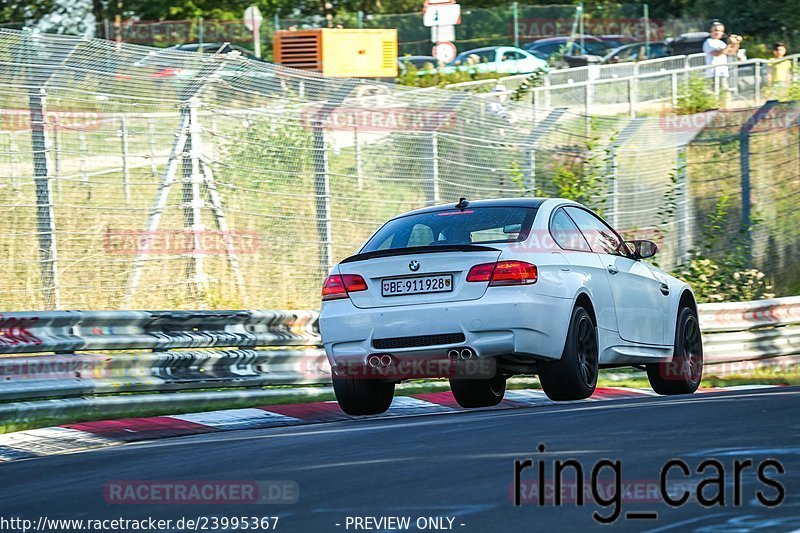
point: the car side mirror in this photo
(641, 249)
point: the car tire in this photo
(574, 376)
(364, 396)
(683, 374)
(478, 392)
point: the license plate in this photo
(419, 285)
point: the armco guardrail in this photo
(750, 330)
(180, 350)
(148, 351)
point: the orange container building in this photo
(345, 53)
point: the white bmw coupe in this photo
(510, 286)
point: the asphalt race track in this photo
(460, 465)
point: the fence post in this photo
(159, 204)
(757, 83)
(358, 161)
(683, 226)
(633, 90)
(57, 157)
(126, 172)
(323, 197)
(151, 145)
(674, 89)
(515, 16)
(587, 96)
(192, 198)
(431, 163)
(45, 216)
(82, 163)
(632, 97)
(744, 162)
(546, 90)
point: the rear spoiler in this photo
(419, 250)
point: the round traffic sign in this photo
(444, 51)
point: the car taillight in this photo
(481, 272)
(338, 286)
(514, 273)
(504, 273)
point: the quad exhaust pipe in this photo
(380, 361)
(463, 354)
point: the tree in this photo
(74, 17)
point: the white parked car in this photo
(532, 285)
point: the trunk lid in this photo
(384, 266)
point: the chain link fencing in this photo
(132, 178)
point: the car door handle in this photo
(612, 269)
(665, 289)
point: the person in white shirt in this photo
(717, 52)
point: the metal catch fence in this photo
(133, 178)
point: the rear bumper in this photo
(506, 320)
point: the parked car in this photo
(635, 52)
(501, 59)
(215, 48)
(687, 43)
(532, 285)
(561, 49)
(420, 62)
(154, 64)
(615, 41)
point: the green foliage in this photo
(435, 78)
(588, 181)
(577, 185)
(518, 178)
(696, 96)
(726, 276)
(535, 79)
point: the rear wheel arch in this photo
(584, 301)
(687, 300)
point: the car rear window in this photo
(479, 225)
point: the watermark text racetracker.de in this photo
(200, 492)
(709, 483)
(238, 522)
(68, 119)
(180, 241)
(377, 119)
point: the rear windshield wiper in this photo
(419, 250)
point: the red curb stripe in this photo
(133, 429)
(439, 398)
(608, 392)
(322, 411)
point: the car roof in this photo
(483, 49)
(495, 202)
(614, 51)
(561, 38)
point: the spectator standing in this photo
(779, 73)
(716, 54)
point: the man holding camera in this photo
(716, 54)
